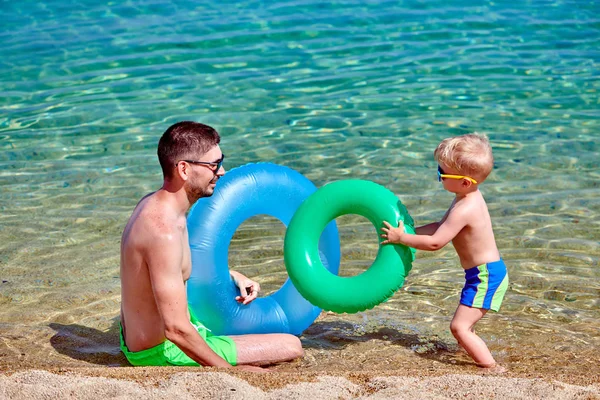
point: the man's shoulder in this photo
(153, 219)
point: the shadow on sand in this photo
(102, 348)
(339, 335)
(88, 344)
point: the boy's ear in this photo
(466, 183)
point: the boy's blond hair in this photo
(470, 155)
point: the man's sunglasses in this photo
(442, 174)
(214, 166)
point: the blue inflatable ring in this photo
(242, 193)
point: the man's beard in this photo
(194, 193)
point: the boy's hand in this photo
(391, 234)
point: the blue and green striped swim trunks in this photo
(485, 286)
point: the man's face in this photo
(203, 177)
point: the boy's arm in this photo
(428, 229)
(456, 220)
(432, 228)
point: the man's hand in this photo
(252, 368)
(391, 234)
(248, 288)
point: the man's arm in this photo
(165, 257)
(248, 288)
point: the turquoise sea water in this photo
(350, 89)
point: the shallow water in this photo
(350, 89)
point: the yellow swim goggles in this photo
(442, 174)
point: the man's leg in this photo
(265, 349)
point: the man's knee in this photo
(291, 346)
(294, 346)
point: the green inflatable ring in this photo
(301, 252)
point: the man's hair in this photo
(184, 140)
(470, 155)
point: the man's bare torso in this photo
(151, 222)
(475, 244)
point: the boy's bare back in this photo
(475, 243)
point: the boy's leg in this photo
(265, 349)
(462, 328)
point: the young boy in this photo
(464, 162)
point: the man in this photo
(157, 328)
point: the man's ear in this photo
(183, 170)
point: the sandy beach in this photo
(382, 364)
(172, 383)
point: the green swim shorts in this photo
(168, 354)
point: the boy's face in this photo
(453, 181)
